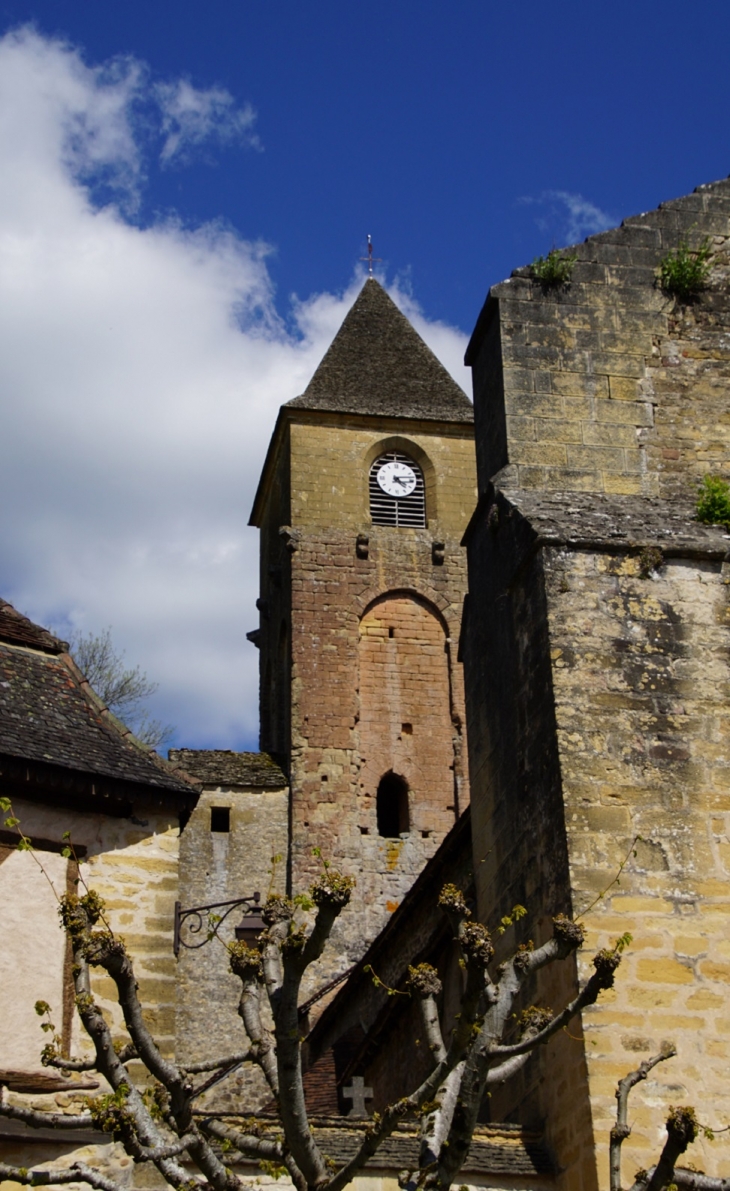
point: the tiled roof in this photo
(18, 630)
(495, 1149)
(498, 1151)
(49, 714)
(221, 767)
(379, 365)
(40, 1082)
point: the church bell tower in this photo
(366, 491)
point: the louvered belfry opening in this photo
(397, 510)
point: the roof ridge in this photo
(115, 727)
(18, 629)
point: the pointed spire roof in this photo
(378, 364)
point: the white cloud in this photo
(192, 117)
(568, 217)
(141, 370)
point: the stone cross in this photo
(358, 1093)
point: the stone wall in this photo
(519, 827)
(132, 863)
(592, 390)
(405, 722)
(599, 406)
(641, 685)
(217, 866)
(333, 581)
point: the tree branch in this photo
(125, 1055)
(108, 952)
(246, 964)
(214, 1064)
(681, 1132)
(566, 938)
(247, 1144)
(622, 1129)
(78, 1173)
(692, 1180)
(211, 1083)
(587, 996)
(142, 1130)
(145, 1154)
(507, 1069)
(432, 1028)
(297, 955)
(45, 1120)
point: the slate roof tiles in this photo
(378, 364)
(222, 767)
(49, 714)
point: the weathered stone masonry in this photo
(598, 409)
(359, 622)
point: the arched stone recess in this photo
(406, 723)
(419, 591)
(398, 442)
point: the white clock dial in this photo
(397, 479)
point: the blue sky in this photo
(188, 188)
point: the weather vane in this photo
(371, 260)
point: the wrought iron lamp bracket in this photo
(198, 919)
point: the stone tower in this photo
(366, 490)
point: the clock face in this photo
(397, 479)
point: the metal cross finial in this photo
(358, 1093)
(371, 260)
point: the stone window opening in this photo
(220, 819)
(405, 510)
(392, 806)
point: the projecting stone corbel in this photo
(290, 536)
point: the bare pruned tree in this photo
(124, 690)
(162, 1126)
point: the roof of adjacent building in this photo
(499, 1150)
(222, 767)
(378, 365)
(16, 629)
(50, 714)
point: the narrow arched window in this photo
(392, 806)
(397, 493)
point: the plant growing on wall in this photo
(553, 270)
(713, 501)
(684, 272)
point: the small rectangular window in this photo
(220, 818)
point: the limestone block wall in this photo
(585, 387)
(34, 946)
(608, 386)
(218, 866)
(640, 677)
(132, 863)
